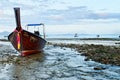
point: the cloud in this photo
(56, 12)
(89, 21)
(103, 16)
(73, 15)
(56, 17)
(1, 13)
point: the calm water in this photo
(96, 42)
(56, 63)
(78, 36)
(82, 35)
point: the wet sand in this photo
(55, 63)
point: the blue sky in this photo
(64, 16)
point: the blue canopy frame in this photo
(38, 28)
(34, 24)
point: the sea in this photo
(54, 63)
(83, 36)
(73, 36)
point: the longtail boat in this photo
(25, 42)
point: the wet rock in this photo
(98, 53)
(59, 59)
(57, 65)
(99, 68)
(15, 76)
(86, 59)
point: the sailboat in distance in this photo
(23, 41)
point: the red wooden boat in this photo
(24, 41)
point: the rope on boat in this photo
(18, 40)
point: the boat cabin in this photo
(36, 29)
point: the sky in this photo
(64, 16)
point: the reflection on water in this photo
(57, 63)
(24, 66)
(17, 69)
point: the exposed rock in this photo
(99, 53)
(99, 68)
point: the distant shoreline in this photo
(5, 40)
(113, 39)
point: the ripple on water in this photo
(58, 63)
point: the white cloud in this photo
(1, 13)
(64, 13)
(96, 28)
(8, 12)
(90, 21)
(56, 17)
(24, 2)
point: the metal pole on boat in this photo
(43, 30)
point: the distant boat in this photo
(76, 35)
(98, 36)
(24, 41)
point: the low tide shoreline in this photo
(108, 39)
(99, 53)
(61, 61)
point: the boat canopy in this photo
(35, 24)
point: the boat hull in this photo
(26, 42)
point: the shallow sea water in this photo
(96, 42)
(57, 63)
